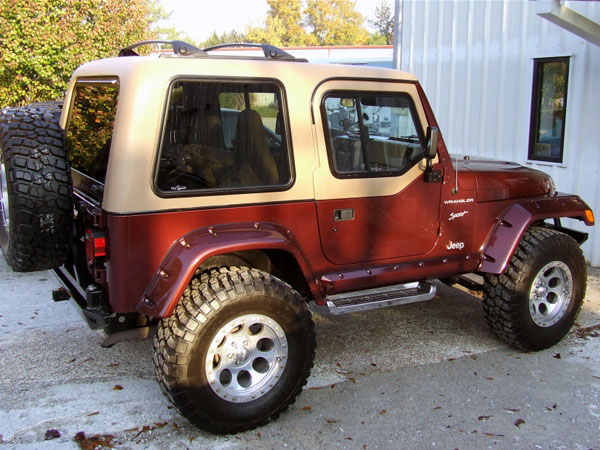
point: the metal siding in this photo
(475, 61)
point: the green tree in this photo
(312, 22)
(283, 25)
(43, 41)
(335, 22)
(227, 37)
(383, 24)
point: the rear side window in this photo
(90, 127)
(371, 134)
(223, 136)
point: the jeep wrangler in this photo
(206, 199)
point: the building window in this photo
(548, 109)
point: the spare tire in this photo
(36, 213)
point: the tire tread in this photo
(39, 184)
(503, 293)
(206, 294)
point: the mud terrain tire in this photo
(237, 350)
(534, 303)
(35, 184)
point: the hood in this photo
(501, 180)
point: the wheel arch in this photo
(265, 246)
(503, 240)
(276, 261)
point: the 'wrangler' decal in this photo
(458, 200)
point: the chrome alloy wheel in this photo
(550, 294)
(4, 211)
(246, 358)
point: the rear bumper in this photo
(89, 301)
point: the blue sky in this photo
(199, 18)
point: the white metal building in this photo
(476, 61)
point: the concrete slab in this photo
(417, 376)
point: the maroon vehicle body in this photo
(151, 258)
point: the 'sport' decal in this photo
(457, 215)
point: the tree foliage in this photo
(43, 41)
(223, 38)
(383, 23)
(336, 22)
(313, 22)
(283, 25)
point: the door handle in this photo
(343, 214)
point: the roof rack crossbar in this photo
(179, 48)
(270, 51)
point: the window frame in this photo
(534, 122)
(287, 138)
(356, 94)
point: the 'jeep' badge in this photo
(455, 245)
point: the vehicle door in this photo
(372, 199)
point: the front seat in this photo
(257, 165)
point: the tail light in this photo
(95, 244)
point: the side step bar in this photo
(399, 294)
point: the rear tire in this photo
(535, 302)
(35, 186)
(237, 351)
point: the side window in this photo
(548, 109)
(223, 135)
(90, 127)
(371, 134)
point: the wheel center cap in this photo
(240, 351)
(241, 356)
(541, 290)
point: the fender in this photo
(503, 242)
(188, 252)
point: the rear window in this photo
(90, 127)
(223, 136)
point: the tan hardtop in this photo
(144, 85)
(172, 66)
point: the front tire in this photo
(535, 302)
(237, 351)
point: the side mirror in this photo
(431, 142)
(431, 175)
